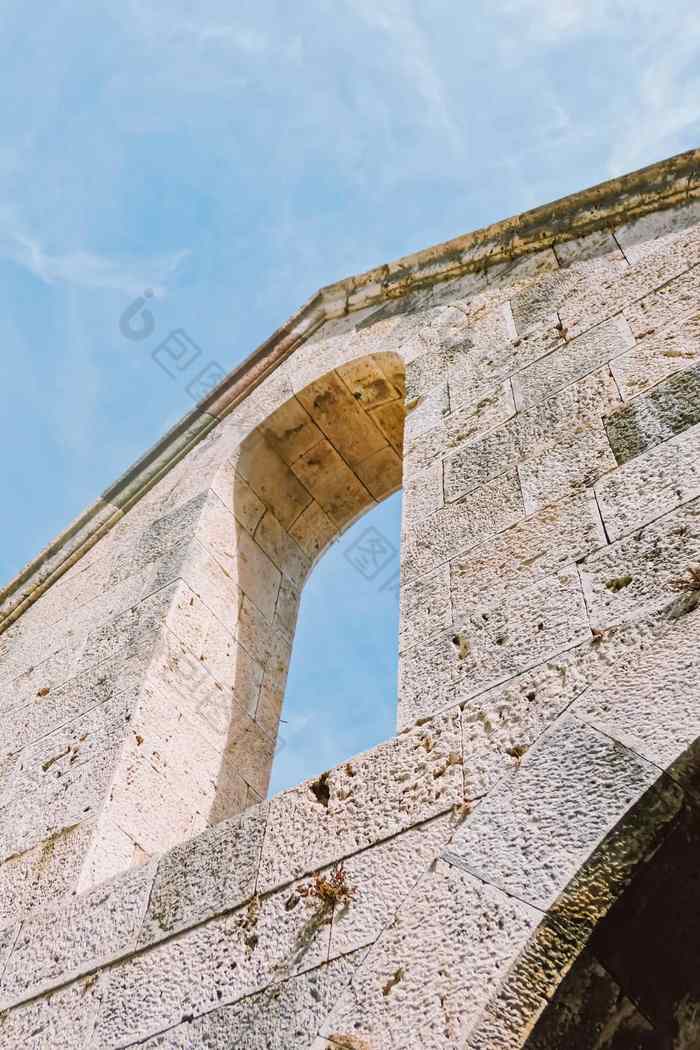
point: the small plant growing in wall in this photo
(329, 890)
(691, 582)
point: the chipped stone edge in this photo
(654, 188)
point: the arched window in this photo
(317, 464)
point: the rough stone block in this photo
(645, 236)
(651, 485)
(429, 975)
(425, 607)
(532, 835)
(575, 359)
(566, 468)
(381, 878)
(67, 940)
(657, 356)
(63, 1020)
(285, 1015)
(332, 483)
(214, 872)
(530, 550)
(219, 962)
(495, 506)
(656, 416)
(642, 572)
(409, 779)
(651, 705)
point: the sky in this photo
(235, 157)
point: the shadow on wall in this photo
(636, 984)
(319, 462)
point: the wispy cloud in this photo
(85, 269)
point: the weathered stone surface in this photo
(494, 643)
(211, 873)
(63, 1020)
(530, 550)
(640, 237)
(409, 779)
(670, 302)
(652, 418)
(219, 962)
(530, 837)
(577, 358)
(425, 607)
(626, 704)
(651, 484)
(65, 941)
(285, 1015)
(495, 506)
(422, 495)
(656, 356)
(462, 425)
(566, 468)
(429, 975)
(381, 878)
(644, 571)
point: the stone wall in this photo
(436, 890)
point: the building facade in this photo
(517, 866)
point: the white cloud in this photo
(84, 269)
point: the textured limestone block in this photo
(531, 433)
(530, 550)
(642, 572)
(426, 413)
(37, 876)
(391, 419)
(566, 468)
(68, 748)
(651, 484)
(657, 356)
(217, 589)
(381, 472)
(652, 706)
(66, 940)
(381, 878)
(425, 607)
(490, 509)
(459, 427)
(496, 642)
(63, 1020)
(39, 815)
(39, 715)
(218, 962)
(127, 629)
(531, 835)
(646, 235)
(281, 549)
(272, 481)
(285, 1015)
(290, 431)
(332, 483)
(672, 301)
(411, 778)
(211, 873)
(339, 416)
(537, 305)
(429, 975)
(369, 380)
(611, 292)
(313, 531)
(422, 494)
(652, 418)
(572, 361)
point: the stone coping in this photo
(654, 188)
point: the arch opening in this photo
(311, 469)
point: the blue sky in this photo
(235, 157)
